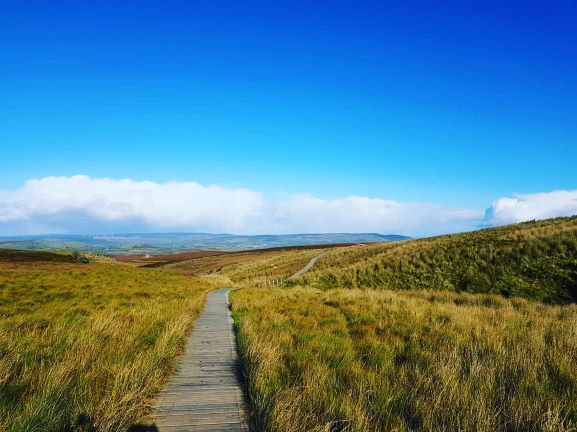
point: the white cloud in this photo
(305, 213)
(80, 204)
(177, 205)
(532, 206)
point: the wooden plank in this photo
(205, 394)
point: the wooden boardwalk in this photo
(205, 394)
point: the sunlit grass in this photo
(372, 360)
(255, 267)
(85, 347)
(535, 260)
(403, 348)
(279, 265)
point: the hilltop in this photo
(535, 260)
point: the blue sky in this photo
(453, 103)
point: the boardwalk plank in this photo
(205, 394)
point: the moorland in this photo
(473, 331)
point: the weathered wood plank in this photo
(205, 394)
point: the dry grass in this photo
(253, 266)
(352, 360)
(85, 347)
(281, 264)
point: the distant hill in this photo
(533, 259)
(136, 244)
(7, 255)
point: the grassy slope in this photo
(254, 267)
(366, 360)
(89, 345)
(535, 260)
(445, 349)
(86, 346)
(279, 265)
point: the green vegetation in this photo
(8, 255)
(367, 360)
(86, 346)
(253, 267)
(536, 260)
(422, 335)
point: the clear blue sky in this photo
(456, 102)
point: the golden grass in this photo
(86, 347)
(280, 265)
(254, 266)
(353, 360)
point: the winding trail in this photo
(309, 266)
(205, 393)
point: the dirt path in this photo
(309, 266)
(205, 393)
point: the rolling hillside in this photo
(535, 260)
(8, 255)
(417, 335)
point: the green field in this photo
(536, 260)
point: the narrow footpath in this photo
(309, 266)
(205, 393)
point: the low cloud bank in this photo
(80, 204)
(69, 204)
(532, 206)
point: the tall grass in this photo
(87, 347)
(535, 260)
(277, 264)
(253, 267)
(368, 360)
